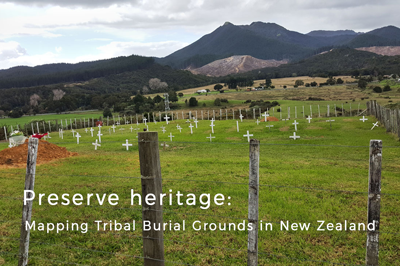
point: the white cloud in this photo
(58, 49)
(10, 50)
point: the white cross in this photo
(309, 119)
(212, 127)
(248, 136)
(99, 135)
(137, 123)
(237, 126)
(330, 120)
(86, 130)
(166, 118)
(127, 145)
(295, 125)
(188, 121)
(48, 135)
(95, 145)
(117, 123)
(73, 132)
(374, 125)
(113, 127)
(77, 137)
(177, 126)
(61, 133)
(99, 126)
(294, 137)
(126, 122)
(131, 129)
(257, 122)
(266, 116)
(170, 136)
(163, 130)
(241, 117)
(212, 120)
(364, 119)
(210, 137)
(191, 128)
(91, 131)
(269, 126)
(145, 120)
(196, 122)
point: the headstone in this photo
(212, 127)
(170, 136)
(96, 145)
(295, 125)
(99, 135)
(145, 120)
(77, 137)
(248, 135)
(166, 118)
(127, 145)
(294, 137)
(210, 137)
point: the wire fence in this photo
(10, 253)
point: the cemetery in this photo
(312, 167)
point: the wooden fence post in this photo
(374, 201)
(27, 208)
(150, 170)
(5, 133)
(252, 248)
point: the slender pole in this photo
(374, 201)
(150, 170)
(252, 250)
(27, 208)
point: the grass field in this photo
(321, 176)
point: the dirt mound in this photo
(270, 118)
(47, 151)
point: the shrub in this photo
(193, 101)
(107, 112)
(217, 102)
(224, 100)
(387, 88)
(377, 89)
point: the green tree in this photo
(362, 83)
(173, 97)
(180, 94)
(157, 99)
(268, 82)
(377, 89)
(313, 84)
(193, 101)
(339, 81)
(387, 88)
(107, 112)
(299, 82)
(217, 102)
(331, 81)
(218, 87)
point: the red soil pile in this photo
(270, 118)
(47, 151)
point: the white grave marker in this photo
(166, 118)
(241, 117)
(374, 125)
(257, 121)
(248, 136)
(191, 128)
(195, 121)
(212, 127)
(127, 145)
(294, 137)
(364, 119)
(96, 145)
(113, 128)
(77, 137)
(309, 119)
(210, 137)
(295, 125)
(99, 135)
(170, 136)
(91, 131)
(237, 126)
(73, 133)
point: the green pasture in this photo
(321, 176)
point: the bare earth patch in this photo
(314, 127)
(284, 128)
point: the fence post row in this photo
(150, 170)
(252, 248)
(27, 208)
(374, 201)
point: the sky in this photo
(36, 32)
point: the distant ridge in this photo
(234, 65)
